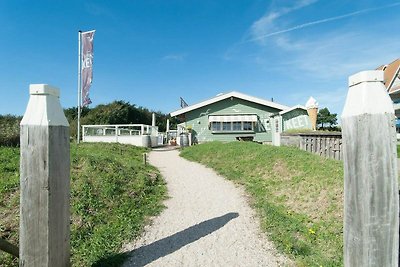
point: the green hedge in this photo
(9, 130)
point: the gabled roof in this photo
(292, 108)
(391, 72)
(229, 95)
(288, 110)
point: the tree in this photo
(325, 117)
(117, 112)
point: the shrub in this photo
(9, 130)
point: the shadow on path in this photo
(160, 248)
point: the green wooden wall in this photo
(296, 119)
(198, 120)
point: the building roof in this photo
(226, 96)
(288, 110)
(391, 73)
(292, 108)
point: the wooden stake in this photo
(9, 248)
(45, 183)
(371, 205)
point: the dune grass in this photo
(298, 195)
(112, 194)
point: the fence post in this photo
(371, 201)
(44, 181)
(153, 119)
(145, 159)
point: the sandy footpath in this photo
(207, 222)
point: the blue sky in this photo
(151, 52)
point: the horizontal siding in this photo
(296, 119)
(198, 120)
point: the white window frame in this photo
(231, 129)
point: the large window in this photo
(216, 126)
(237, 125)
(232, 123)
(227, 126)
(247, 126)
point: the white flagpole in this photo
(79, 86)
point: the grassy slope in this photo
(298, 195)
(112, 192)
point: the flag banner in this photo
(183, 103)
(87, 66)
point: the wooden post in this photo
(9, 248)
(44, 181)
(145, 159)
(371, 200)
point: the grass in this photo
(112, 195)
(297, 195)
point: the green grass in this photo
(112, 195)
(298, 195)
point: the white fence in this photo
(132, 134)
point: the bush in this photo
(9, 130)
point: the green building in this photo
(236, 116)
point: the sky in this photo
(151, 52)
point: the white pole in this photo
(79, 85)
(153, 119)
(167, 130)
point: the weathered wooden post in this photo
(371, 201)
(45, 183)
(145, 159)
(9, 248)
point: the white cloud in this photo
(175, 57)
(318, 64)
(260, 28)
(266, 23)
(340, 54)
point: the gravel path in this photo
(207, 222)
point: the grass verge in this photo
(112, 194)
(298, 195)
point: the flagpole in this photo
(79, 86)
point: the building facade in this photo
(236, 116)
(391, 74)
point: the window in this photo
(216, 126)
(226, 126)
(237, 126)
(232, 123)
(247, 126)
